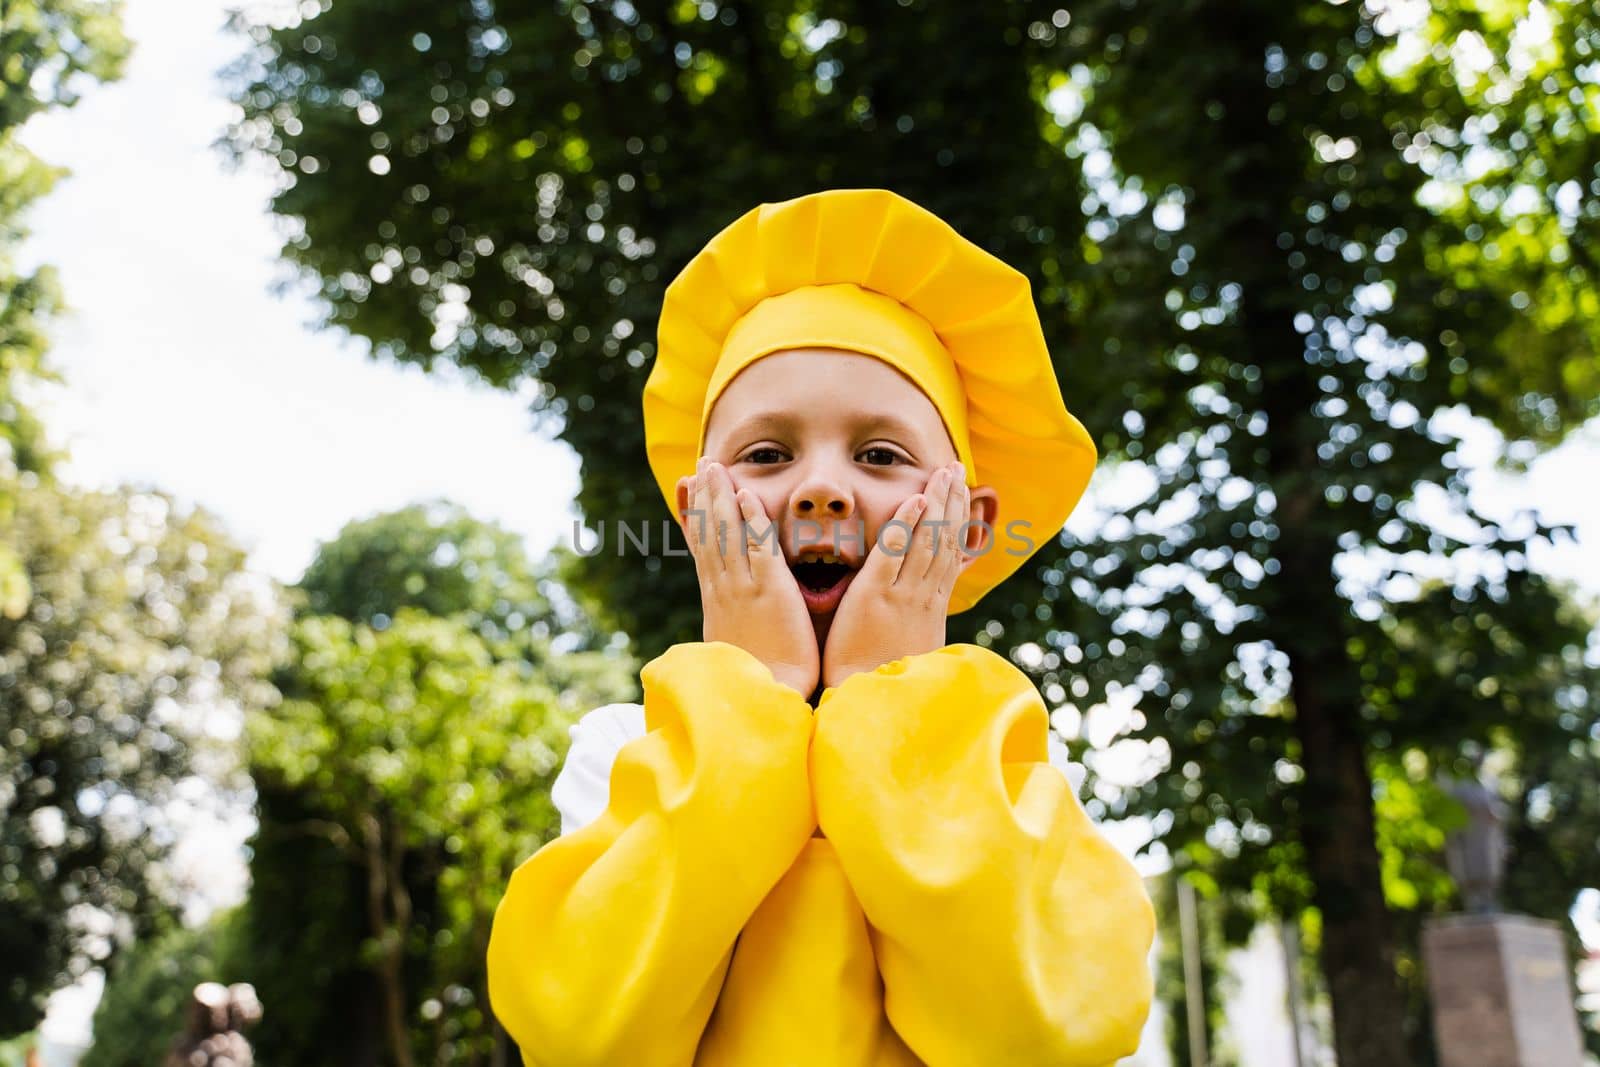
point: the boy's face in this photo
(832, 443)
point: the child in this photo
(901, 875)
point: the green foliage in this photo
(14, 1050)
(144, 1007)
(27, 303)
(438, 559)
(46, 49)
(1272, 242)
(400, 720)
(49, 48)
(303, 936)
(1413, 815)
(435, 558)
(142, 619)
(430, 684)
(417, 744)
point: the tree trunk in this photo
(1304, 611)
(1335, 815)
(390, 936)
(1339, 836)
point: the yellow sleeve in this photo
(1007, 929)
(611, 943)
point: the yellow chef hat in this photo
(868, 271)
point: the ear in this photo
(983, 506)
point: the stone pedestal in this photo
(1502, 992)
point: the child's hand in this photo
(896, 605)
(748, 594)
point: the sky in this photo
(183, 372)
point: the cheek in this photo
(743, 481)
(773, 500)
(878, 511)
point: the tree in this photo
(142, 622)
(403, 779)
(553, 198)
(1338, 277)
(1275, 245)
(47, 47)
(420, 749)
(437, 558)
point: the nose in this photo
(819, 496)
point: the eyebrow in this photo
(781, 421)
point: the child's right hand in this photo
(749, 596)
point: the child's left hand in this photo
(896, 605)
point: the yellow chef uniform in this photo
(957, 907)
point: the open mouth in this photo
(822, 583)
(819, 577)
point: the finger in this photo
(704, 526)
(686, 486)
(725, 532)
(886, 561)
(943, 535)
(955, 511)
(756, 542)
(925, 538)
(691, 513)
(954, 560)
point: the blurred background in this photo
(323, 329)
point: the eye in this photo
(880, 450)
(767, 450)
